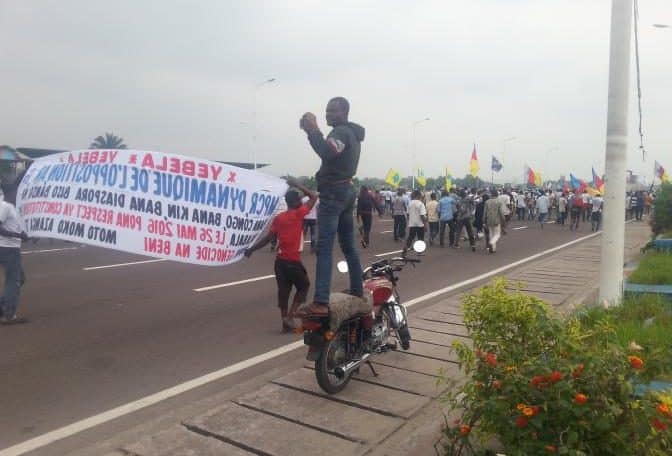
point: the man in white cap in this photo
(11, 235)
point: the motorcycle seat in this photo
(343, 307)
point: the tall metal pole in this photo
(613, 236)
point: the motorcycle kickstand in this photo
(373, 371)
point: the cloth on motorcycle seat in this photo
(343, 306)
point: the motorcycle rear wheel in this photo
(404, 337)
(333, 355)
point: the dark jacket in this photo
(339, 153)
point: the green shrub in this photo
(541, 385)
(654, 269)
(662, 210)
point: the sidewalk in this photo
(396, 413)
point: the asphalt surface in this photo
(99, 338)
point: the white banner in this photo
(150, 203)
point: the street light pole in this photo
(613, 236)
(254, 119)
(413, 125)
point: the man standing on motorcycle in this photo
(287, 226)
(339, 152)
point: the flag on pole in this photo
(660, 172)
(578, 184)
(598, 183)
(393, 178)
(538, 181)
(473, 164)
(421, 177)
(530, 175)
(449, 180)
(496, 165)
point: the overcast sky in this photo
(181, 76)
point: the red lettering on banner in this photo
(153, 245)
(232, 177)
(130, 221)
(182, 250)
(179, 166)
(93, 157)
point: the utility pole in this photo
(613, 235)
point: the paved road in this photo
(99, 338)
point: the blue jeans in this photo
(10, 259)
(335, 216)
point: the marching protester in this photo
(399, 211)
(493, 218)
(433, 217)
(287, 227)
(446, 218)
(596, 214)
(417, 219)
(543, 206)
(339, 153)
(310, 223)
(11, 235)
(465, 213)
(575, 211)
(521, 206)
(478, 213)
(365, 207)
(562, 209)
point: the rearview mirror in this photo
(342, 266)
(419, 246)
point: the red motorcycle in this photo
(358, 328)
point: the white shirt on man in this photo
(312, 215)
(10, 221)
(415, 212)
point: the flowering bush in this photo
(538, 385)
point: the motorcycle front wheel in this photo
(334, 354)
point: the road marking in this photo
(519, 228)
(95, 420)
(26, 252)
(494, 272)
(388, 253)
(388, 231)
(231, 284)
(119, 265)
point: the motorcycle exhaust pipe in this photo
(343, 371)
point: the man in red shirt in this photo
(289, 271)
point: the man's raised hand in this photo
(308, 122)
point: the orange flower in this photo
(521, 407)
(527, 411)
(497, 384)
(521, 422)
(491, 359)
(549, 448)
(664, 409)
(659, 425)
(465, 429)
(576, 373)
(580, 398)
(555, 376)
(636, 362)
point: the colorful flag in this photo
(393, 178)
(473, 164)
(449, 180)
(421, 178)
(530, 175)
(660, 172)
(578, 184)
(538, 181)
(598, 183)
(496, 165)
